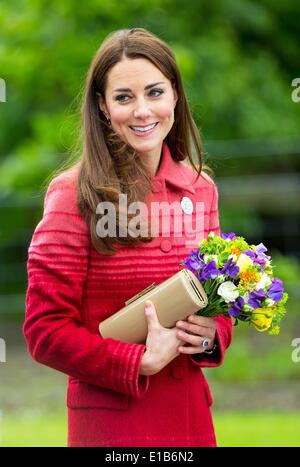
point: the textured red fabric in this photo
(71, 288)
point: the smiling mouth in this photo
(143, 129)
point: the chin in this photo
(150, 144)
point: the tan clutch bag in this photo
(175, 298)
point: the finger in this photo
(151, 315)
(194, 329)
(190, 338)
(201, 321)
(190, 349)
(209, 333)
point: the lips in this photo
(143, 130)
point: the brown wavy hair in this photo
(108, 166)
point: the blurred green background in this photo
(238, 60)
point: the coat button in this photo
(157, 186)
(177, 372)
(187, 205)
(166, 246)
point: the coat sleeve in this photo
(223, 324)
(57, 265)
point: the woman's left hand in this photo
(194, 331)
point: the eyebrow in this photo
(146, 87)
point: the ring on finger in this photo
(205, 342)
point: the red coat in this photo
(71, 288)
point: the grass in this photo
(257, 429)
(232, 429)
(35, 430)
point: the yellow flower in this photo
(262, 319)
(244, 262)
(249, 277)
(235, 250)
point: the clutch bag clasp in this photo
(140, 294)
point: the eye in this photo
(120, 98)
(160, 91)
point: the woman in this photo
(137, 130)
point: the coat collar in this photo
(172, 172)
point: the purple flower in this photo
(230, 269)
(193, 262)
(260, 249)
(236, 307)
(209, 271)
(229, 236)
(252, 254)
(258, 255)
(276, 290)
(256, 297)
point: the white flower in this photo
(228, 291)
(264, 282)
(205, 259)
(269, 302)
(208, 258)
(233, 256)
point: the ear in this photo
(175, 96)
(102, 104)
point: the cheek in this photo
(119, 115)
(165, 110)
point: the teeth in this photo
(143, 129)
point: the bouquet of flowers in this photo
(239, 281)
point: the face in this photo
(140, 102)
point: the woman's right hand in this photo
(161, 344)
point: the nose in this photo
(142, 109)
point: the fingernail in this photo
(148, 304)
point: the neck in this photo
(152, 162)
